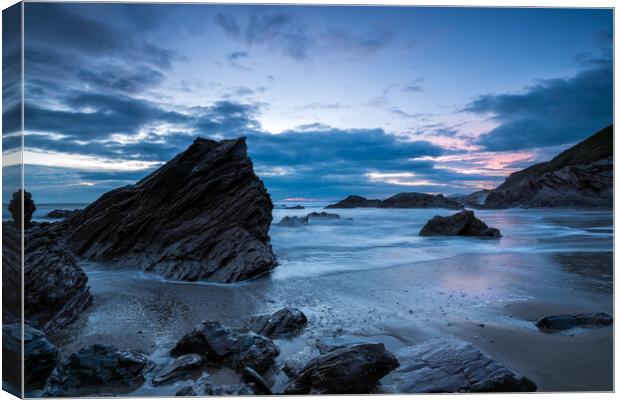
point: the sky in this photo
(333, 100)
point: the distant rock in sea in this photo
(400, 200)
(62, 213)
(204, 215)
(299, 221)
(581, 176)
(294, 207)
(463, 223)
(15, 208)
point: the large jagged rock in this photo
(283, 323)
(179, 368)
(463, 223)
(233, 348)
(354, 369)
(581, 176)
(204, 215)
(452, 365)
(568, 321)
(11, 273)
(400, 200)
(55, 287)
(97, 368)
(40, 356)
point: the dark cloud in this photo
(552, 112)
(121, 79)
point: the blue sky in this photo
(333, 100)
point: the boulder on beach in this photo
(568, 321)
(400, 200)
(57, 213)
(354, 369)
(463, 223)
(40, 355)
(178, 368)
(282, 323)
(203, 387)
(452, 366)
(233, 348)
(204, 215)
(97, 368)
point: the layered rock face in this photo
(581, 176)
(204, 215)
(400, 200)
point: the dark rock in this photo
(202, 387)
(40, 356)
(178, 368)
(463, 223)
(400, 200)
(452, 365)
(62, 213)
(56, 289)
(233, 348)
(204, 215)
(563, 322)
(293, 221)
(294, 207)
(581, 176)
(328, 345)
(11, 274)
(283, 323)
(15, 208)
(251, 376)
(95, 368)
(323, 216)
(354, 369)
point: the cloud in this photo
(551, 112)
(414, 87)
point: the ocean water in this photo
(382, 238)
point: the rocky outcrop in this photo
(178, 368)
(564, 322)
(203, 387)
(11, 273)
(294, 207)
(62, 213)
(233, 348)
(400, 200)
(581, 176)
(40, 356)
(15, 208)
(55, 287)
(283, 323)
(452, 365)
(354, 369)
(204, 215)
(314, 216)
(95, 368)
(463, 223)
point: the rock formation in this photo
(400, 200)
(15, 208)
(563, 322)
(62, 213)
(232, 348)
(299, 221)
(354, 369)
(452, 365)
(581, 176)
(97, 367)
(283, 323)
(204, 215)
(463, 223)
(178, 368)
(203, 387)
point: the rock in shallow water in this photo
(293, 221)
(463, 223)
(354, 369)
(97, 368)
(452, 365)
(283, 323)
(563, 322)
(57, 213)
(233, 348)
(204, 215)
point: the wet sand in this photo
(399, 306)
